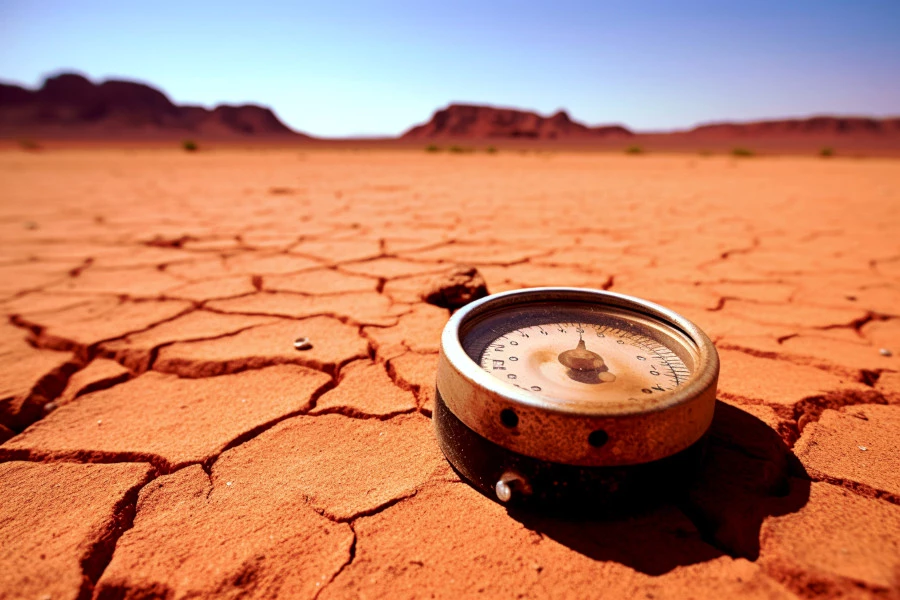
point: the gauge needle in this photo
(584, 365)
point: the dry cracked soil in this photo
(163, 438)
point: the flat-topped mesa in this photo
(469, 121)
(811, 126)
(70, 105)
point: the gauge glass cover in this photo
(579, 355)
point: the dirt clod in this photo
(454, 289)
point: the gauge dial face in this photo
(582, 356)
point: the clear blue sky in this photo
(342, 68)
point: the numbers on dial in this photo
(618, 358)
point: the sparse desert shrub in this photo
(189, 146)
(432, 148)
(634, 150)
(742, 152)
(281, 191)
(29, 145)
(826, 152)
(459, 149)
(491, 150)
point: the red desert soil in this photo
(164, 438)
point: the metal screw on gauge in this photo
(573, 397)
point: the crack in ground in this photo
(414, 389)
(94, 386)
(100, 553)
(335, 263)
(860, 489)
(345, 319)
(44, 286)
(251, 364)
(755, 244)
(863, 376)
(856, 324)
(45, 391)
(810, 409)
(153, 353)
(354, 413)
(812, 585)
(76, 271)
(787, 429)
(720, 304)
(260, 429)
(53, 384)
(350, 520)
(85, 352)
(160, 241)
(161, 464)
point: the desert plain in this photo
(162, 437)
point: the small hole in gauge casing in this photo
(509, 418)
(598, 438)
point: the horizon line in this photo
(43, 77)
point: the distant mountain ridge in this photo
(472, 121)
(70, 105)
(820, 125)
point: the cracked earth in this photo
(162, 437)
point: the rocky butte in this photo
(469, 121)
(71, 106)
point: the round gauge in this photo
(569, 379)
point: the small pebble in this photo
(302, 343)
(99, 421)
(228, 483)
(863, 448)
(885, 352)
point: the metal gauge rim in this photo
(558, 433)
